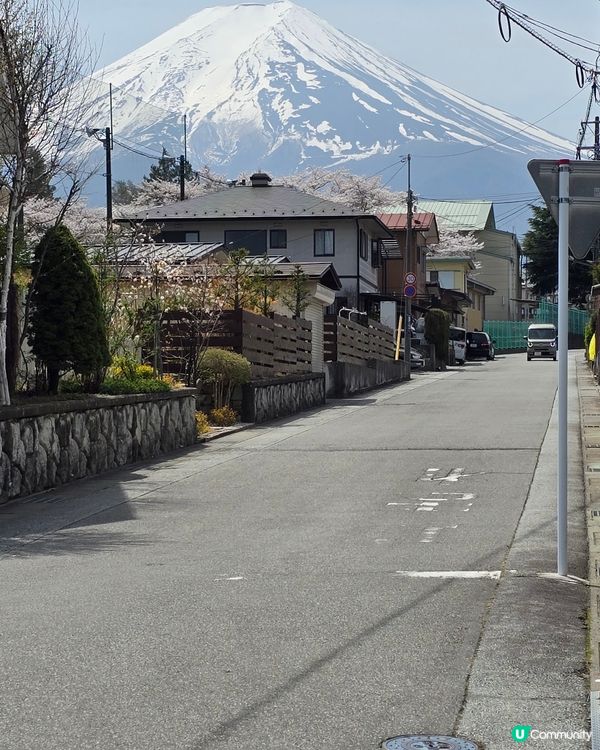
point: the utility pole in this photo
(595, 148)
(109, 202)
(182, 178)
(407, 269)
(107, 143)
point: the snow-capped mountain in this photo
(274, 86)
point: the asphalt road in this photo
(259, 592)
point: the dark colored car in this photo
(479, 344)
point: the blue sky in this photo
(454, 41)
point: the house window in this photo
(278, 239)
(375, 254)
(324, 241)
(433, 276)
(418, 256)
(446, 279)
(252, 240)
(192, 236)
(364, 245)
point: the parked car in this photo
(458, 340)
(479, 344)
(541, 341)
(417, 361)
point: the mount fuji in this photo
(275, 87)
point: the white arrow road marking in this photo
(430, 533)
(453, 476)
(230, 578)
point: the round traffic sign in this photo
(410, 278)
(410, 290)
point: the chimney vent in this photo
(260, 179)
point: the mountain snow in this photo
(274, 86)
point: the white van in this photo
(541, 341)
(458, 341)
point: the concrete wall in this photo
(41, 447)
(344, 379)
(264, 400)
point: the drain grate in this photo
(428, 742)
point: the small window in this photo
(375, 254)
(324, 241)
(278, 239)
(192, 236)
(364, 245)
(433, 276)
(254, 241)
(419, 256)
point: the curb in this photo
(589, 409)
(219, 432)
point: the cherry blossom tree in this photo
(43, 57)
(360, 193)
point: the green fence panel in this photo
(508, 334)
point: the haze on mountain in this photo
(273, 86)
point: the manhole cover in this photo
(428, 742)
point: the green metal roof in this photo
(467, 215)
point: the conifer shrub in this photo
(437, 328)
(66, 329)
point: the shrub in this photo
(66, 329)
(119, 386)
(71, 386)
(129, 368)
(202, 424)
(437, 327)
(172, 381)
(590, 329)
(224, 370)
(145, 372)
(223, 417)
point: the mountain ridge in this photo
(275, 86)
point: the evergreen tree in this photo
(296, 296)
(168, 170)
(437, 328)
(66, 329)
(540, 246)
(125, 192)
(37, 176)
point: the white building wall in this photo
(300, 244)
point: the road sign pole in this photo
(563, 362)
(407, 267)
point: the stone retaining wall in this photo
(42, 447)
(263, 400)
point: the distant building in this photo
(499, 260)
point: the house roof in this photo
(422, 221)
(251, 202)
(466, 215)
(433, 259)
(324, 273)
(479, 286)
(181, 252)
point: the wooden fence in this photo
(347, 341)
(274, 346)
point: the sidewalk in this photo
(530, 667)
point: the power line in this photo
(507, 138)
(507, 16)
